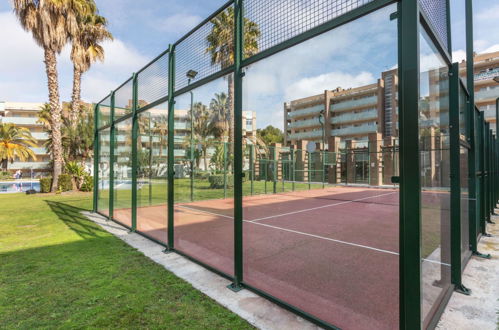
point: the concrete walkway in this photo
(478, 311)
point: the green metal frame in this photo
(455, 154)
(410, 182)
(111, 160)
(483, 152)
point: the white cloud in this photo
(23, 75)
(458, 55)
(491, 49)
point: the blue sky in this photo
(350, 56)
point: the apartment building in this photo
(352, 114)
(25, 114)
(486, 68)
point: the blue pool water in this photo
(19, 186)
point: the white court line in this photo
(312, 235)
(203, 211)
(321, 207)
(324, 238)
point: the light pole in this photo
(322, 121)
(191, 74)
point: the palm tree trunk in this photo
(55, 115)
(76, 95)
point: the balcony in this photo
(28, 165)
(490, 113)
(490, 94)
(40, 135)
(353, 130)
(350, 104)
(487, 75)
(349, 117)
(305, 123)
(20, 120)
(39, 151)
(315, 135)
(306, 111)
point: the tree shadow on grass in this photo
(72, 216)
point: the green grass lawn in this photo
(60, 270)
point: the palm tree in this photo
(14, 143)
(205, 128)
(218, 106)
(221, 48)
(86, 50)
(77, 137)
(51, 22)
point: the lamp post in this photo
(191, 74)
(322, 121)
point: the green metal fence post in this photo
(225, 169)
(274, 170)
(474, 208)
(96, 159)
(238, 139)
(308, 169)
(111, 160)
(252, 167)
(410, 186)
(455, 178)
(171, 146)
(135, 132)
(292, 166)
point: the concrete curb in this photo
(480, 309)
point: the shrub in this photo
(65, 182)
(201, 175)
(5, 176)
(45, 185)
(88, 183)
(217, 181)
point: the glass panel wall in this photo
(123, 172)
(435, 176)
(152, 179)
(325, 245)
(104, 165)
(204, 174)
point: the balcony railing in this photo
(370, 100)
(28, 165)
(306, 111)
(492, 93)
(39, 151)
(364, 115)
(40, 135)
(305, 123)
(306, 135)
(20, 120)
(362, 129)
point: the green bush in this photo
(201, 175)
(88, 183)
(65, 182)
(45, 185)
(217, 181)
(5, 176)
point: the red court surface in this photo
(332, 252)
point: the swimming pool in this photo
(19, 186)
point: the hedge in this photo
(45, 185)
(88, 183)
(217, 181)
(65, 182)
